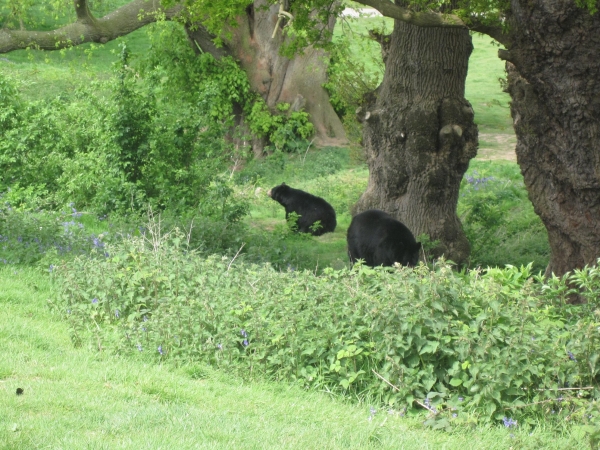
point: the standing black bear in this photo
(380, 239)
(310, 208)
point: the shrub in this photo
(151, 135)
(468, 342)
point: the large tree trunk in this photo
(554, 82)
(278, 79)
(419, 134)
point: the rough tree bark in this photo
(297, 81)
(554, 82)
(419, 134)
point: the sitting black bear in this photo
(309, 207)
(379, 239)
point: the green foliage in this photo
(590, 5)
(350, 80)
(498, 218)
(27, 236)
(193, 405)
(142, 137)
(287, 133)
(472, 344)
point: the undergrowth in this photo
(465, 347)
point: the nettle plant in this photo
(490, 346)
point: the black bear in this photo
(309, 207)
(379, 239)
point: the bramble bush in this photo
(491, 346)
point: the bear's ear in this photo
(283, 183)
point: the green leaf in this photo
(430, 347)
(456, 382)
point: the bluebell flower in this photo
(243, 333)
(454, 415)
(460, 399)
(96, 242)
(508, 422)
(372, 412)
(117, 313)
(220, 346)
(571, 356)
(160, 350)
(139, 347)
(94, 300)
(245, 343)
(51, 268)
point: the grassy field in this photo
(74, 398)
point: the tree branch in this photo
(83, 13)
(434, 19)
(420, 19)
(120, 22)
(495, 32)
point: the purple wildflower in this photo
(220, 346)
(139, 347)
(372, 412)
(96, 242)
(160, 350)
(94, 300)
(571, 356)
(243, 333)
(509, 422)
(245, 343)
(117, 313)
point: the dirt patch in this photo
(497, 146)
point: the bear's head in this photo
(276, 192)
